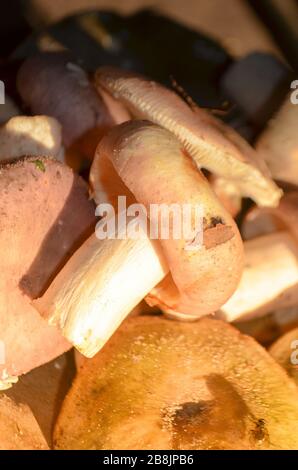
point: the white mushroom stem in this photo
(105, 279)
(269, 281)
(99, 286)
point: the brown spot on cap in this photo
(217, 235)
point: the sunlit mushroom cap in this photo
(160, 384)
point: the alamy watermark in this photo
(157, 221)
(294, 94)
(294, 354)
(2, 92)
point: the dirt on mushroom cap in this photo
(45, 215)
(160, 384)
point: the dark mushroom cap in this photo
(52, 84)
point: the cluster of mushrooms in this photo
(175, 375)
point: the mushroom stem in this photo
(100, 285)
(105, 280)
(269, 279)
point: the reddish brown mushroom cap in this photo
(45, 215)
(62, 89)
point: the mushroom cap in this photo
(43, 391)
(160, 384)
(18, 427)
(105, 183)
(228, 194)
(285, 352)
(45, 216)
(211, 143)
(62, 90)
(270, 327)
(151, 163)
(259, 221)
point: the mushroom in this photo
(45, 215)
(213, 145)
(228, 194)
(271, 326)
(285, 352)
(278, 144)
(43, 390)
(26, 135)
(101, 283)
(269, 281)
(62, 89)
(270, 277)
(160, 384)
(18, 427)
(267, 220)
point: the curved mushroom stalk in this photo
(144, 155)
(99, 286)
(39, 201)
(278, 144)
(209, 142)
(269, 281)
(152, 165)
(31, 135)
